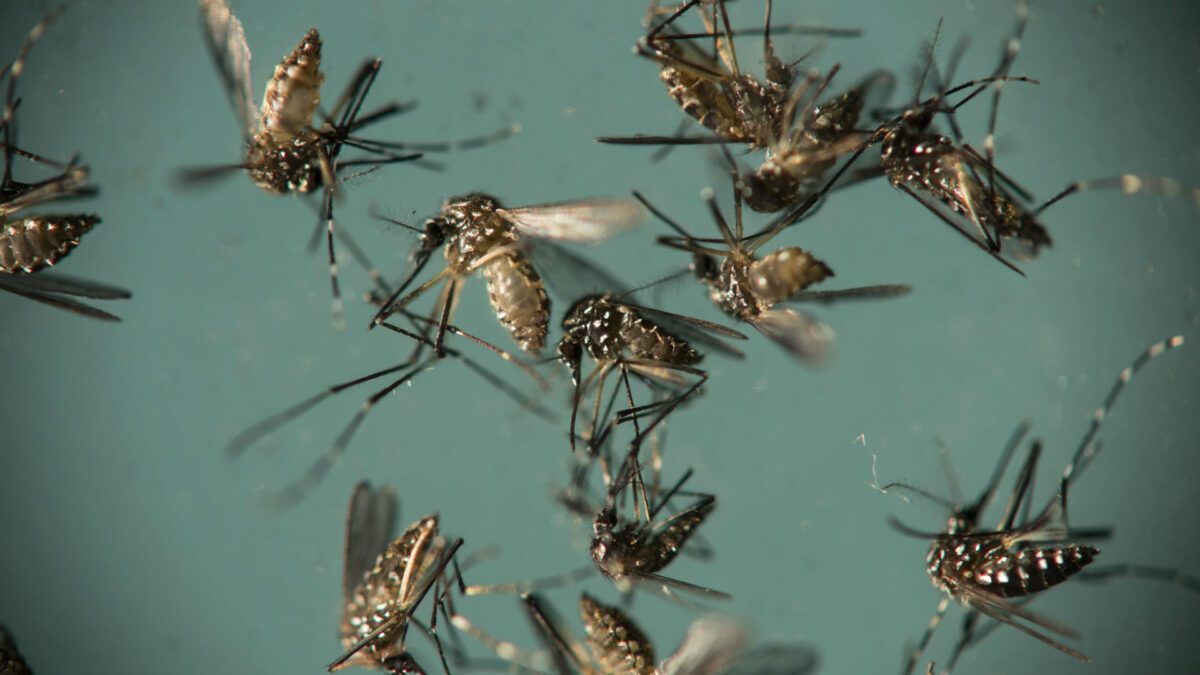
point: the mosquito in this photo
(711, 88)
(637, 340)
(958, 183)
(382, 583)
(284, 151)
(480, 235)
(616, 645)
(32, 243)
(990, 571)
(749, 288)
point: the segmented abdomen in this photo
(1031, 570)
(294, 92)
(784, 273)
(658, 552)
(646, 340)
(616, 642)
(519, 298)
(35, 242)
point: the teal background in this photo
(128, 543)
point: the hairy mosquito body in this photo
(1023, 556)
(378, 607)
(31, 243)
(748, 287)
(618, 336)
(480, 235)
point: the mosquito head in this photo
(761, 188)
(705, 267)
(435, 233)
(402, 664)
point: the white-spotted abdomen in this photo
(519, 298)
(29, 244)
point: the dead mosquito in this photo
(480, 235)
(962, 186)
(616, 645)
(635, 340)
(383, 583)
(34, 242)
(991, 571)
(748, 287)
(11, 662)
(284, 151)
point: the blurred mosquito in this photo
(990, 571)
(382, 583)
(617, 646)
(284, 151)
(34, 242)
(479, 234)
(11, 662)
(405, 371)
(711, 88)
(631, 339)
(748, 287)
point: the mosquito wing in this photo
(369, 521)
(711, 645)
(802, 335)
(586, 221)
(226, 42)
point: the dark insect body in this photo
(615, 643)
(284, 151)
(620, 336)
(11, 662)
(31, 243)
(711, 88)
(985, 570)
(382, 583)
(813, 136)
(964, 188)
(480, 235)
(748, 287)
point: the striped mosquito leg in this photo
(1087, 445)
(1130, 184)
(18, 66)
(920, 648)
(339, 317)
(1011, 48)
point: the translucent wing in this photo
(800, 334)
(775, 659)
(227, 43)
(711, 645)
(369, 521)
(587, 220)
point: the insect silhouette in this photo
(711, 88)
(749, 288)
(986, 570)
(284, 151)
(32, 243)
(11, 662)
(383, 583)
(632, 339)
(480, 235)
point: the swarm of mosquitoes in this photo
(809, 137)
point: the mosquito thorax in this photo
(291, 167)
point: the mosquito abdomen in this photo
(784, 273)
(1032, 570)
(617, 643)
(40, 241)
(519, 298)
(294, 92)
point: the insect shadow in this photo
(32, 243)
(749, 288)
(991, 572)
(406, 371)
(285, 151)
(383, 583)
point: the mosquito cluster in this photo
(609, 370)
